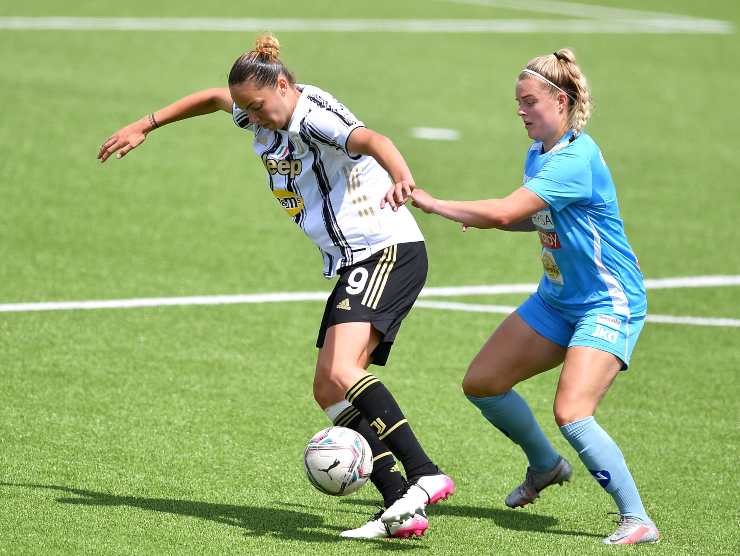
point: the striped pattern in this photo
(346, 417)
(320, 137)
(378, 280)
(241, 118)
(359, 387)
(337, 109)
(381, 456)
(292, 186)
(324, 185)
(277, 140)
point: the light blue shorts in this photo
(600, 329)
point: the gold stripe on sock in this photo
(394, 427)
(347, 416)
(379, 456)
(360, 387)
(357, 384)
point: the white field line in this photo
(163, 302)
(435, 133)
(466, 307)
(280, 297)
(575, 9)
(663, 24)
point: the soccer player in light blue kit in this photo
(590, 305)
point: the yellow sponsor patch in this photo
(552, 270)
(291, 202)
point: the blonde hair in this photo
(261, 65)
(561, 70)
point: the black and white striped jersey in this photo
(333, 195)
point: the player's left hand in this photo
(398, 194)
(423, 200)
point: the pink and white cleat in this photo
(632, 530)
(425, 491)
(415, 526)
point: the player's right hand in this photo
(123, 140)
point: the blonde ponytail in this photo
(561, 69)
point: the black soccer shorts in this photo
(380, 290)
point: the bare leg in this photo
(587, 374)
(513, 353)
(343, 360)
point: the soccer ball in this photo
(338, 461)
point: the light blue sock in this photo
(510, 414)
(603, 458)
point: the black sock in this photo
(377, 405)
(386, 476)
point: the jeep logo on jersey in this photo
(291, 202)
(283, 167)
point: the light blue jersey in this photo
(589, 265)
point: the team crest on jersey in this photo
(291, 202)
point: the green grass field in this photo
(181, 429)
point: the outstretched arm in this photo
(133, 135)
(510, 213)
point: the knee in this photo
(482, 381)
(566, 413)
(327, 386)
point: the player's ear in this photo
(282, 85)
(562, 101)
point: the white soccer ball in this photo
(338, 461)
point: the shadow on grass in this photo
(516, 520)
(256, 521)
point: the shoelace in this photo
(625, 522)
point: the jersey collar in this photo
(294, 126)
(563, 142)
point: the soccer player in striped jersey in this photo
(345, 186)
(590, 305)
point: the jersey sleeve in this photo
(241, 118)
(564, 179)
(331, 125)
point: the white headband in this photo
(546, 80)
